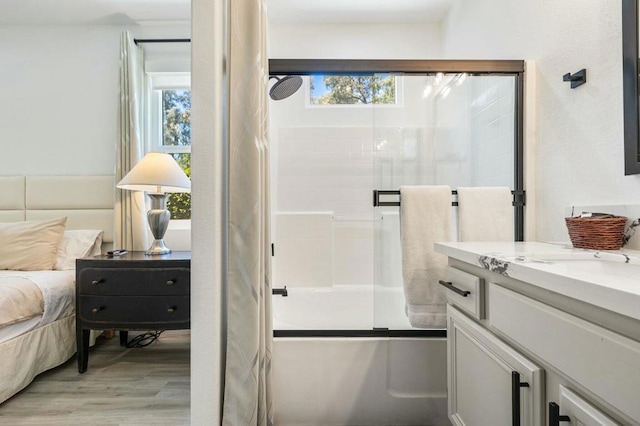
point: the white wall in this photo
(59, 90)
(345, 41)
(579, 152)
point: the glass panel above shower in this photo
(449, 129)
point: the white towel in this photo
(485, 214)
(425, 218)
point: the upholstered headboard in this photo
(87, 201)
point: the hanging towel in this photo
(425, 218)
(485, 214)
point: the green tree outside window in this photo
(353, 89)
(176, 131)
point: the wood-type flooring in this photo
(138, 386)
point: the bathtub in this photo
(330, 381)
(353, 307)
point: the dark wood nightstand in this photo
(134, 291)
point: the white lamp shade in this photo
(156, 172)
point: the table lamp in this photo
(156, 174)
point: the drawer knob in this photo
(171, 310)
(98, 309)
(450, 286)
(96, 282)
(171, 282)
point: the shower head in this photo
(285, 86)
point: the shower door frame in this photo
(472, 67)
(514, 68)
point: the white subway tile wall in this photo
(304, 249)
(475, 132)
(325, 169)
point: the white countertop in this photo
(608, 279)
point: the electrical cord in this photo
(145, 339)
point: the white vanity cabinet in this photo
(599, 360)
(579, 357)
(490, 384)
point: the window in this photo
(171, 130)
(352, 89)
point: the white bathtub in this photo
(330, 381)
(353, 307)
(360, 381)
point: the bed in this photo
(71, 215)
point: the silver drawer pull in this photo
(455, 289)
(171, 282)
(171, 309)
(96, 282)
(96, 310)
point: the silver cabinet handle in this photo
(98, 309)
(171, 282)
(171, 310)
(96, 282)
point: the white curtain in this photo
(130, 210)
(247, 382)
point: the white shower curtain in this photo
(247, 383)
(130, 210)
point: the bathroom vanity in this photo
(542, 334)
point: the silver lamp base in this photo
(158, 247)
(158, 218)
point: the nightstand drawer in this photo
(129, 311)
(135, 282)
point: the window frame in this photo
(158, 83)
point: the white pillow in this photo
(75, 244)
(30, 245)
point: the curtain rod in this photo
(161, 40)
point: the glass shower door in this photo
(445, 129)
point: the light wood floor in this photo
(143, 386)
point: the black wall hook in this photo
(576, 79)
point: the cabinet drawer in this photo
(598, 359)
(470, 297)
(134, 281)
(579, 411)
(128, 311)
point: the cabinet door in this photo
(490, 384)
(578, 411)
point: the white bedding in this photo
(58, 291)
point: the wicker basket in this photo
(596, 233)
